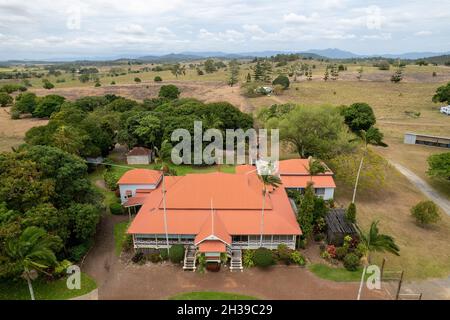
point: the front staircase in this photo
(189, 258)
(236, 260)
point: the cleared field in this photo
(12, 132)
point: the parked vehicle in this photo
(445, 110)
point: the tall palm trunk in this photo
(165, 211)
(262, 216)
(358, 174)
(30, 287)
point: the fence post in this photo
(399, 286)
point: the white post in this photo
(357, 177)
(262, 216)
(165, 213)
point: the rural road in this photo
(424, 187)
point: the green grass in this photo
(211, 295)
(335, 274)
(120, 236)
(43, 290)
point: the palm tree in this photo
(315, 167)
(267, 180)
(375, 241)
(33, 251)
(371, 136)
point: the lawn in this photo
(211, 295)
(120, 235)
(334, 273)
(43, 290)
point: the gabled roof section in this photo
(139, 151)
(213, 229)
(140, 176)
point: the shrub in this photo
(78, 252)
(154, 257)
(137, 80)
(116, 208)
(350, 213)
(169, 92)
(164, 254)
(263, 257)
(284, 253)
(128, 242)
(97, 84)
(247, 258)
(341, 252)
(425, 212)
(157, 79)
(138, 257)
(361, 250)
(113, 83)
(5, 99)
(61, 268)
(351, 262)
(281, 80)
(298, 258)
(176, 253)
(111, 179)
(331, 249)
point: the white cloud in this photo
(423, 33)
(130, 29)
(37, 27)
(296, 18)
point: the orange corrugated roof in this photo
(213, 228)
(279, 217)
(302, 181)
(228, 191)
(296, 167)
(140, 176)
(212, 246)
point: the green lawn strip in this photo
(211, 295)
(120, 235)
(45, 290)
(338, 274)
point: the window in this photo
(320, 192)
(239, 238)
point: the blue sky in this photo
(57, 29)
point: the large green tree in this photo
(439, 166)
(442, 94)
(359, 116)
(314, 131)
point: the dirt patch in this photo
(207, 91)
(12, 131)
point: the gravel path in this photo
(424, 187)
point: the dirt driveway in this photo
(117, 279)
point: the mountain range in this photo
(330, 53)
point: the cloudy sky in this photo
(109, 28)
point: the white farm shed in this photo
(139, 155)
